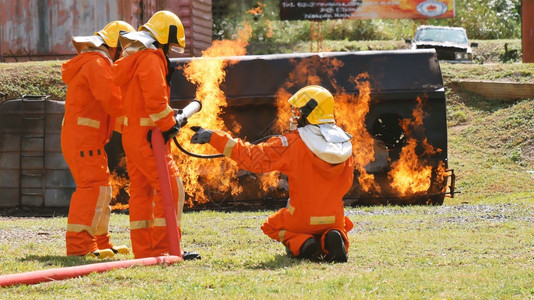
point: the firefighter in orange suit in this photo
(144, 75)
(92, 104)
(317, 158)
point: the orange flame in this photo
(203, 176)
(119, 182)
(269, 180)
(258, 10)
(306, 72)
(412, 174)
(351, 116)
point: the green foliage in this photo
(43, 78)
(494, 71)
(495, 19)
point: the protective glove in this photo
(167, 135)
(201, 136)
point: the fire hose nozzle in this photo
(186, 112)
(181, 118)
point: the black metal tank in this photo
(397, 79)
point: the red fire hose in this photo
(76, 271)
(173, 233)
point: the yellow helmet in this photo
(166, 27)
(110, 33)
(315, 103)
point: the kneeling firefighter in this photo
(317, 158)
(144, 75)
(93, 102)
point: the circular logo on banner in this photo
(431, 8)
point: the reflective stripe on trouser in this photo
(89, 205)
(293, 232)
(81, 238)
(148, 230)
(148, 227)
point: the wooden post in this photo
(528, 30)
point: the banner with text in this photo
(316, 10)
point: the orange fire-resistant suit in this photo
(142, 78)
(316, 188)
(92, 103)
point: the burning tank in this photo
(391, 102)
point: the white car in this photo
(451, 43)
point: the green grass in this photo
(463, 251)
(32, 78)
(492, 152)
(478, 245)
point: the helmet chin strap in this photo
(302, 120)
(308, 108)
(118, 53)
(165, 49)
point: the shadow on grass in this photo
(62, 261)
(478, 102)
(284, 261)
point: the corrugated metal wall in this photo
(197, 19)
(39, 29)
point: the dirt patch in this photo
(528, 152)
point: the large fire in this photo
(207, 178)
(350, 114)
(412, 174)
(210, 176)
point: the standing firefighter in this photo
(317, 158)
(144, 75)
(92, 104)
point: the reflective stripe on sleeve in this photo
(146, 122)
(291, 208)
(162, 114)
(281, 235)
(229, 147)
(88, 122)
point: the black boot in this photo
(309, 248)
(335, 245)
